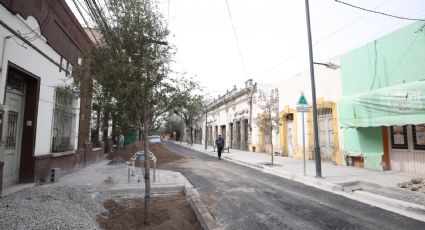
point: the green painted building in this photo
(382, 109)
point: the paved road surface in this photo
(245, 198)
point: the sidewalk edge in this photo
(201, 211)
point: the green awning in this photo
(401, 104)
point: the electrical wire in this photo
(381, 13)
(82, 7)
(358, 44)
(38, 30)
(236, 38)
(345, 26)
(84, 19)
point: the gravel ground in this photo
(50, 207)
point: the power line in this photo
(236, 38)
(345, 26)
(84, 19)
(331, 34)
(382, 13)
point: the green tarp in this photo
(401, 104)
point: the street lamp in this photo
(313, 91)
(329, 65)
(313, 94)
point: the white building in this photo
(230, 115)
(42, 125)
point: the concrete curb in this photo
(201, 211)
(163, 189)
(294, 177)
(317, 183)
(411, 210)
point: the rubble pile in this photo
(50, 207)
(415, 184)
(162, 154)
(127, 152)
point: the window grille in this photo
(64, 122)
(12, 127)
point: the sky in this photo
(267, 41)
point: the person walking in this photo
(220, 145)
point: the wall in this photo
(399, 59)
(33, 62)
(365, 142)
(393, 59)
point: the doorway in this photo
(223, 133)
(290, 134)
(326, 133)
(407, 148)
(19, 129)
(12, 129)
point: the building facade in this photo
(43, 126)
(230, 116)
(382, 109)
(328, 93)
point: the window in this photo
(16, 82)
(64, 122)
(290, 117)
(399, 137)
(419, 136)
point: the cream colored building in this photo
(328, 93)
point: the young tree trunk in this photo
(105, 128)
(147, 220)
(271, 142)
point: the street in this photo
(243, 198)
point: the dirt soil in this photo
(170, 212)
(162, 154)
(126, 152)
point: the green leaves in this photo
(132, 67)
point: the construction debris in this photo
(415, 184)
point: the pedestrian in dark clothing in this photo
(220, 145)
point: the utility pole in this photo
(313, 93)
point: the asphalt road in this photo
(240, 197)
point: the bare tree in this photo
(268, 102)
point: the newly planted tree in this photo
(132, 66)
(268, 103)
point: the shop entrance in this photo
(407, 148)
